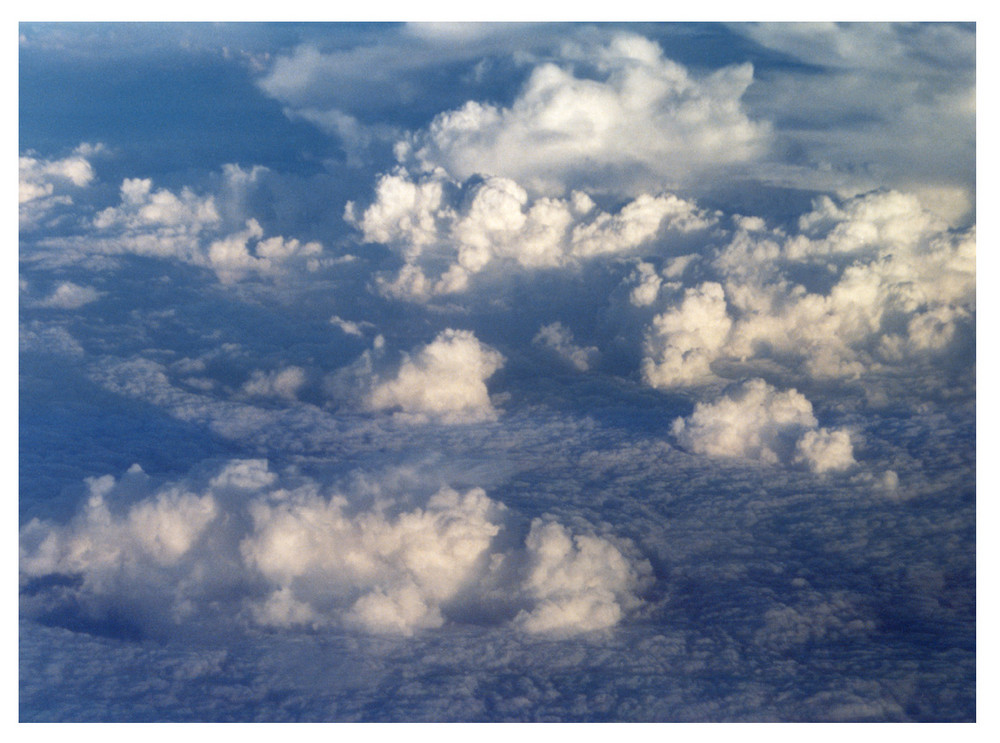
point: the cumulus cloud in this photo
(641, 119)
(459, 229)
(825, 451)
(683, 341)
(445, 380)
(647, 285)
(243, 253)
(816, 620)
(43, 185)
(564, 189)
(758, 422)
(288, 553)
(191, 228)
(579, 582)
(900, 286)
(559, 339)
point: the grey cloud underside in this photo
(598, 387)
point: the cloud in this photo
(283, 553)
(647, 285)
(875, 106)
(45, 185)
(836, 619)
(828, 451)
(142, 207)
(366, 88)
(193, 228)
(40, 337)
(445, 380)
(232, 258)
(773, 403)
(282, 383)
(351, 327)
(559, 339)
(892, 284)
(461, 229)
(683, 341)
(580, 582)
(69, 296)
(641, 119)
(757, 422)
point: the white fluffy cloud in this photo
(683, 341)
(641, 120)
(445, 381)
(460, 229)
(559, 339)
(43, 185)
(351, 327)
(289, 554)
(579, 582)
(760, 423)
(824, 450)
(901, 286)
(193, 228)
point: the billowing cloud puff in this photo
(647, 285)
(401, 569)
(243, 543)
(683, 341)
(232, 258)
(445, 381)
(640, 120)
(559, 339)
(760, 423)
(459, 229)
(143, 207)
(825, 451)
(579, 582)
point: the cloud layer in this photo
(546, 372)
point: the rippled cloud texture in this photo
(456, 372)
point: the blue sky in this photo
(504, 372)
